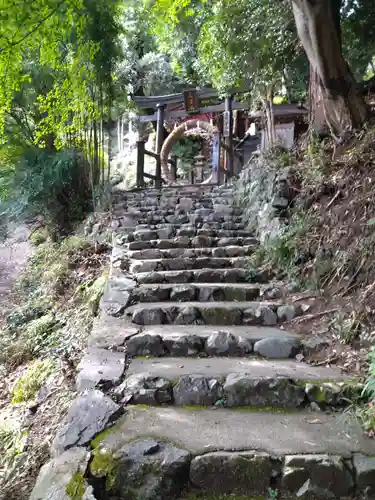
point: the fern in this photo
(369, 389)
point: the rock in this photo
(260, 315)
(145, 235)
(201, 241)
(209, 293)
(116, 296)
(286, 313)
(274, 347)
(223, 343)
(181, 344)
(365, 473)
(109, 332)
(142, 388)
(314, 345)
(149, 316)
(187, 316)
(239, 472)
(242, 390)
(185, 204)
(279, 202)
(328, 393)
(88, 415)
(63, 477)
(100, 367)
(141, 470)
(329, 476)
(145, 344)
(183, 293)
(221, 316)
(272, 293)
(197, 390)
(165, 233)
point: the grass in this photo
(27, 386)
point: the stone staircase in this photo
(190, 387)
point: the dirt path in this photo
(14, 253)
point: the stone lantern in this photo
(199, 162)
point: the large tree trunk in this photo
(334, 97)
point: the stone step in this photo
(174, 210)
(191, 253)
(128, 233)
(177, 264)
(231, 382)
(195, 340)
(265, 313)
(209, 455)
(190, 242)
(233, 275)
(205, 292)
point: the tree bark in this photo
(334, 97)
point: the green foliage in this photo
(55, 184)
(27, 386)
(370, 383)
(185, 150)
(76, 487)
(347, 328)
(12, 442)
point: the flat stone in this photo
(241, 390)
(109, 332)
(288, 433)
(330, 475)
(100, 367)
(277, 347)
(116, 296)
(232, 472)
(197, 390)
(187, 316)
(144, 344)
(146, 468)
(364, 467)
(145, 235)
(89, 414)
(143, 388)
(217, 315)
(60, 473)
(183, 293)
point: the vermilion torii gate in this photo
(195, 104)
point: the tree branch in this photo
(36, 27)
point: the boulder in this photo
(63, 477)
(364, 467)
(244, 390)
(155, 316)
(239, 472)
(89, 414)
(142, 388)
(183, 293)
(144, 469)
(223, 343)
(317, 476)
(145, 344)
(274, 347)
(181, 344)
(197, 390)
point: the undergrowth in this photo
(326, 247)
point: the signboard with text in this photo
(191, 101)
(226, 124)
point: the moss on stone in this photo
(76, 487)
(104, 465)
(104, 434)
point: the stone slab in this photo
(172, 368)
(89, 414)
(59, 474)
(100, 367)
(109, 332)
(276, 433)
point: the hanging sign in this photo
(226, 124)
(216, 158)
(191, 101)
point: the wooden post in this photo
(228, 133)
(174, 167)
(159, 142)
(140, 162)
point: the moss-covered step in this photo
(232, 382)
(197, 340)
(163, 453)
(265, 313)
